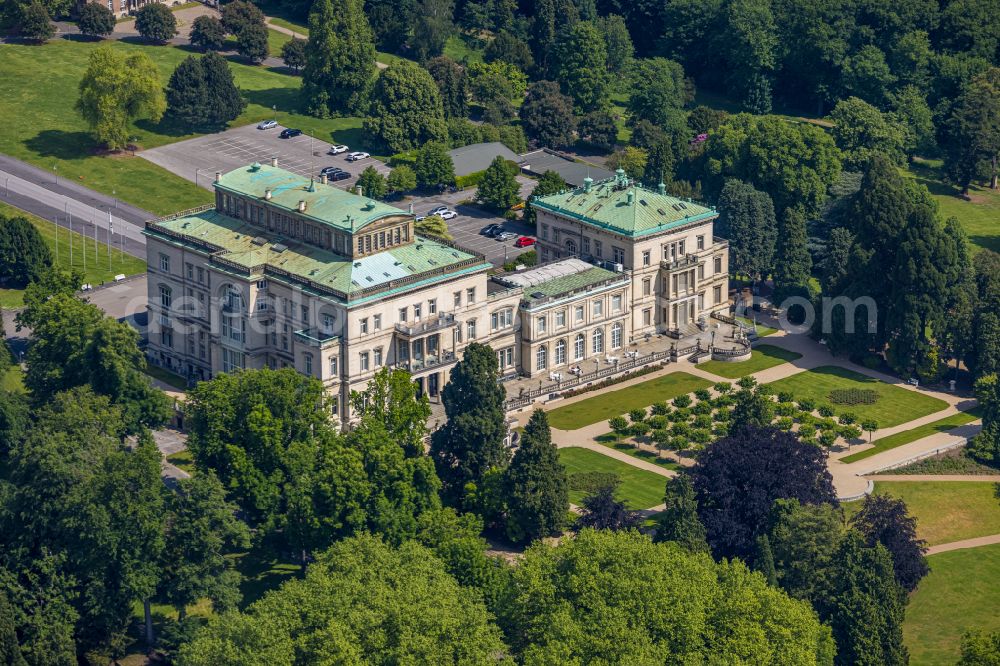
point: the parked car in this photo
(288, 133)
(505, 236)
(336, 150)
(448, 214)
(354, 157)
(329, 171)
(438, 210)
(267, 124)
(524, 241)
(491, 229)
(338, 175)
(420, 218)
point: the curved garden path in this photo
(964, 543)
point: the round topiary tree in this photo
(156, 23)
(95, 20)
(208, 33)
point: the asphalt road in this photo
(198, 159)
(72, 205)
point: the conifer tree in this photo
(318, 75)
(679, 519)
(537, 492)
(764, 560)
(792, 263)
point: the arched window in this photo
(598, 341)
(541, 358)
(578, 347)
(571, 247)
(560, 353)
(232, 300)
(616, 336)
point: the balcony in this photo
(436, 323)
(316, 338)
(686, 261)
(427, 362)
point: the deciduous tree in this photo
(239, 14)
(581, 69)
(406, 108)
(656, 89)
(971, 135)
(599, 128)
(884, 519)
(601, 511)
(547, 115)
(434, 166)
(34, 22)
(453, 85)
(860, 130)
(117, 89)
(293, 53)
(499, 187)
(156, 23)
(24, 255)
(401, 179)
(208, 33)
(95, 20)
(372, 183)
(550, 182)
(251, 43)
(747, 219)
(432, 26)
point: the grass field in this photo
(912, 435)
(12, 380)
(894, 405)
(762, 330)
(610, 401)
(762, 358)
(946, 511)
(610, 440)
(182, 459)
(57, 238)
(641, 489)
(167, 377)
(461, 47)
(960, 593)
(978, 215)
(41, 126)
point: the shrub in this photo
(661, 408)
(825, 410)
(611, 381)
(784, 423)
(826, 425)
(657, 421)
(702, 408)
(723, 401)
(703, 394)
(701, 436)
(764, 389)
(805, 417)
(807, 404)
(720, 430)
(703, 421)
(407, 158)
(747, 382)
(682, 401)
(785, 409)
(871, 361)
(786, 396)
(807, 431)
(637, 415)
(723, 387)
(723, 416)
(683, 414)
(853, 396)
(847, 418)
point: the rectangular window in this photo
(561, 319)
(333, 366)
(189, 270)
(417, 308)
(646, 286)
(402, 314)
(578, 314)
(585, 244)
(701, 242)
(541, 325)
(305, 315)
(377, 321)
(167, 337)
(717, 294)
(680, 248)
(232, 360)
(307, 363)
(701, 271)
(165, 296)
(502, 319)
(598, 308)
(645, 258)
(327, 323)
(616, 303)
(598, 251)
(618, 255)
(432, 306)
(458, 299)
(364, 361)
(555, 235)
(364, 325)
(646, 316)
(164, 263)
(545, 231)
(470, 295)
(505, 357)
(718, 265)
(378, 357)
(470, 329)
(262, 284)
(201, 275)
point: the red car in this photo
(524, 241)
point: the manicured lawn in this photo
(460, 47)
(762, 358)
(98, 268)
(960, 593)
(978, 215)
(894, 405)
(641, 489)
(38, 86)
(762, 330)
(300, 28)
(610, 401)
(946, 511)
(275, 40)
(907, 436)
(610, 440)
(167, 377)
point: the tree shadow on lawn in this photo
(170, 126)
(610, 440)
(61, 144)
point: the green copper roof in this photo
(624, 207)
(325, 203)
(247, 250)
(588, 279)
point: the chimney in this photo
(631, 197)
(274, 161)
(322, 179)
(312, 185)
(302, 206)
(587, 182)
(218, 176)
(360, 191)
(267, 195)
(411, 208)
(661, 188)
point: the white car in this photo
(438, 210)
(336, 150)
(354, 157)
(448, 214)
(267, 124)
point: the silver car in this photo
(505, 236)
(267, 124)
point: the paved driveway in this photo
(198, 159)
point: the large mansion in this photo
(286, 271)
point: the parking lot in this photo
(198, 159)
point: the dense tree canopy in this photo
(746, 218)
(95, 20)
(536, 489)
(202, 93)
(406, 108)
(24, 255)
(156, 23)
(547, 115)
(208, 33)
